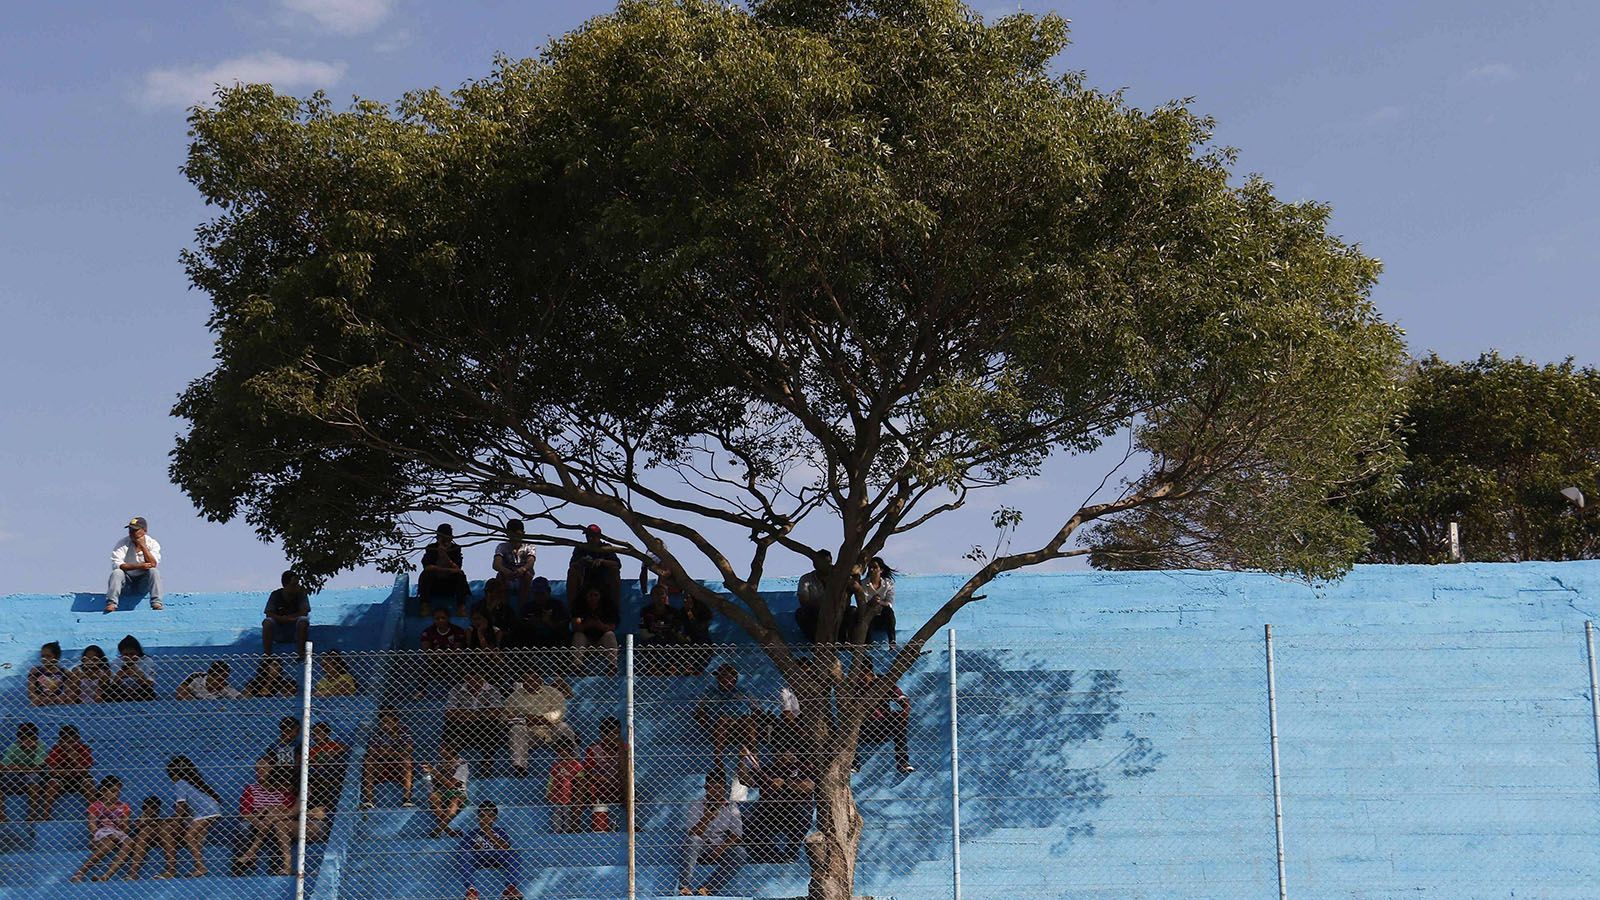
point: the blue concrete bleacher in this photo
(1436, 728)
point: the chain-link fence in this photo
(1137, 764)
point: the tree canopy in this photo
(1490, 444)
(752, 265)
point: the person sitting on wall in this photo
(884, 723)
(544, 622)
(270, 681)
(488, 847)
(442, 575)
(810, 592)
(135, 559)
(594, 624)
(594, 564)
(212, 684)
(723, 709)
(661, 635)
(389, 756)
(288, 616)
(875, 598)
(514, 559)
(713, 837)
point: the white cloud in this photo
(343, 16)
(1495, 71)
(184, 87)
(1387, 114)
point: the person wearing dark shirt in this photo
(661, 635)
(886, 722)
(594, 624)
(809, 593)
(544, 619)
(782, 814)
(442, 575)
(288, 615)
(594, 565)
(441, 644)
(496, 606)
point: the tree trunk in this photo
(832, 847)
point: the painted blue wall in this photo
(1436, 728)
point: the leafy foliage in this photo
(1490, 444)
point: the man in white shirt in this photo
(134, 559)
(713, 835)
(514, 559)
(533, 712)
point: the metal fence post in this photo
(1277, 786)
(305, 773)
(1594, 700)
(955, 779)
(633, 862)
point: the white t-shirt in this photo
(787, 701)
(515, 556)
(201, 806)
(201, 691)
(883, 593)
(126, 552)
(725, 822)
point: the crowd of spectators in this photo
(498, 705)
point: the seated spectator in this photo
(47, 681)
(212, 684)
(810, 592)
(268, 809)
(288, 616)
(285, 751)
(747, 764)
(196, 806)
(388, 758)
(697, 618)
(723, 708)
(134, 559)
(496, 606)
(488, 847)
(440, 644)
(473, 719)
(442, 575)
(135, 678)
(324, 780)
(788, 732)
(270, 681)
(594, 565)
(875, 599)
(92, 675)
(148, 831)
(563, 789)
(533, 714)
(781, 816)
(884, 723)
(68, 769)
(605, 768)
(594, 624)
(513, 560)
(109, 820)
(449, 777)
(544, 619)
(22, 770)
(336, 680)
(661, 635)
(712, 837)
(483, 636)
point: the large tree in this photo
(710, 269)
(1490, 444)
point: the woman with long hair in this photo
(875, 597)
(196, 806)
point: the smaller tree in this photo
(1490, 445)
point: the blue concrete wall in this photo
(1437, 738)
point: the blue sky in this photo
(1455, 140)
